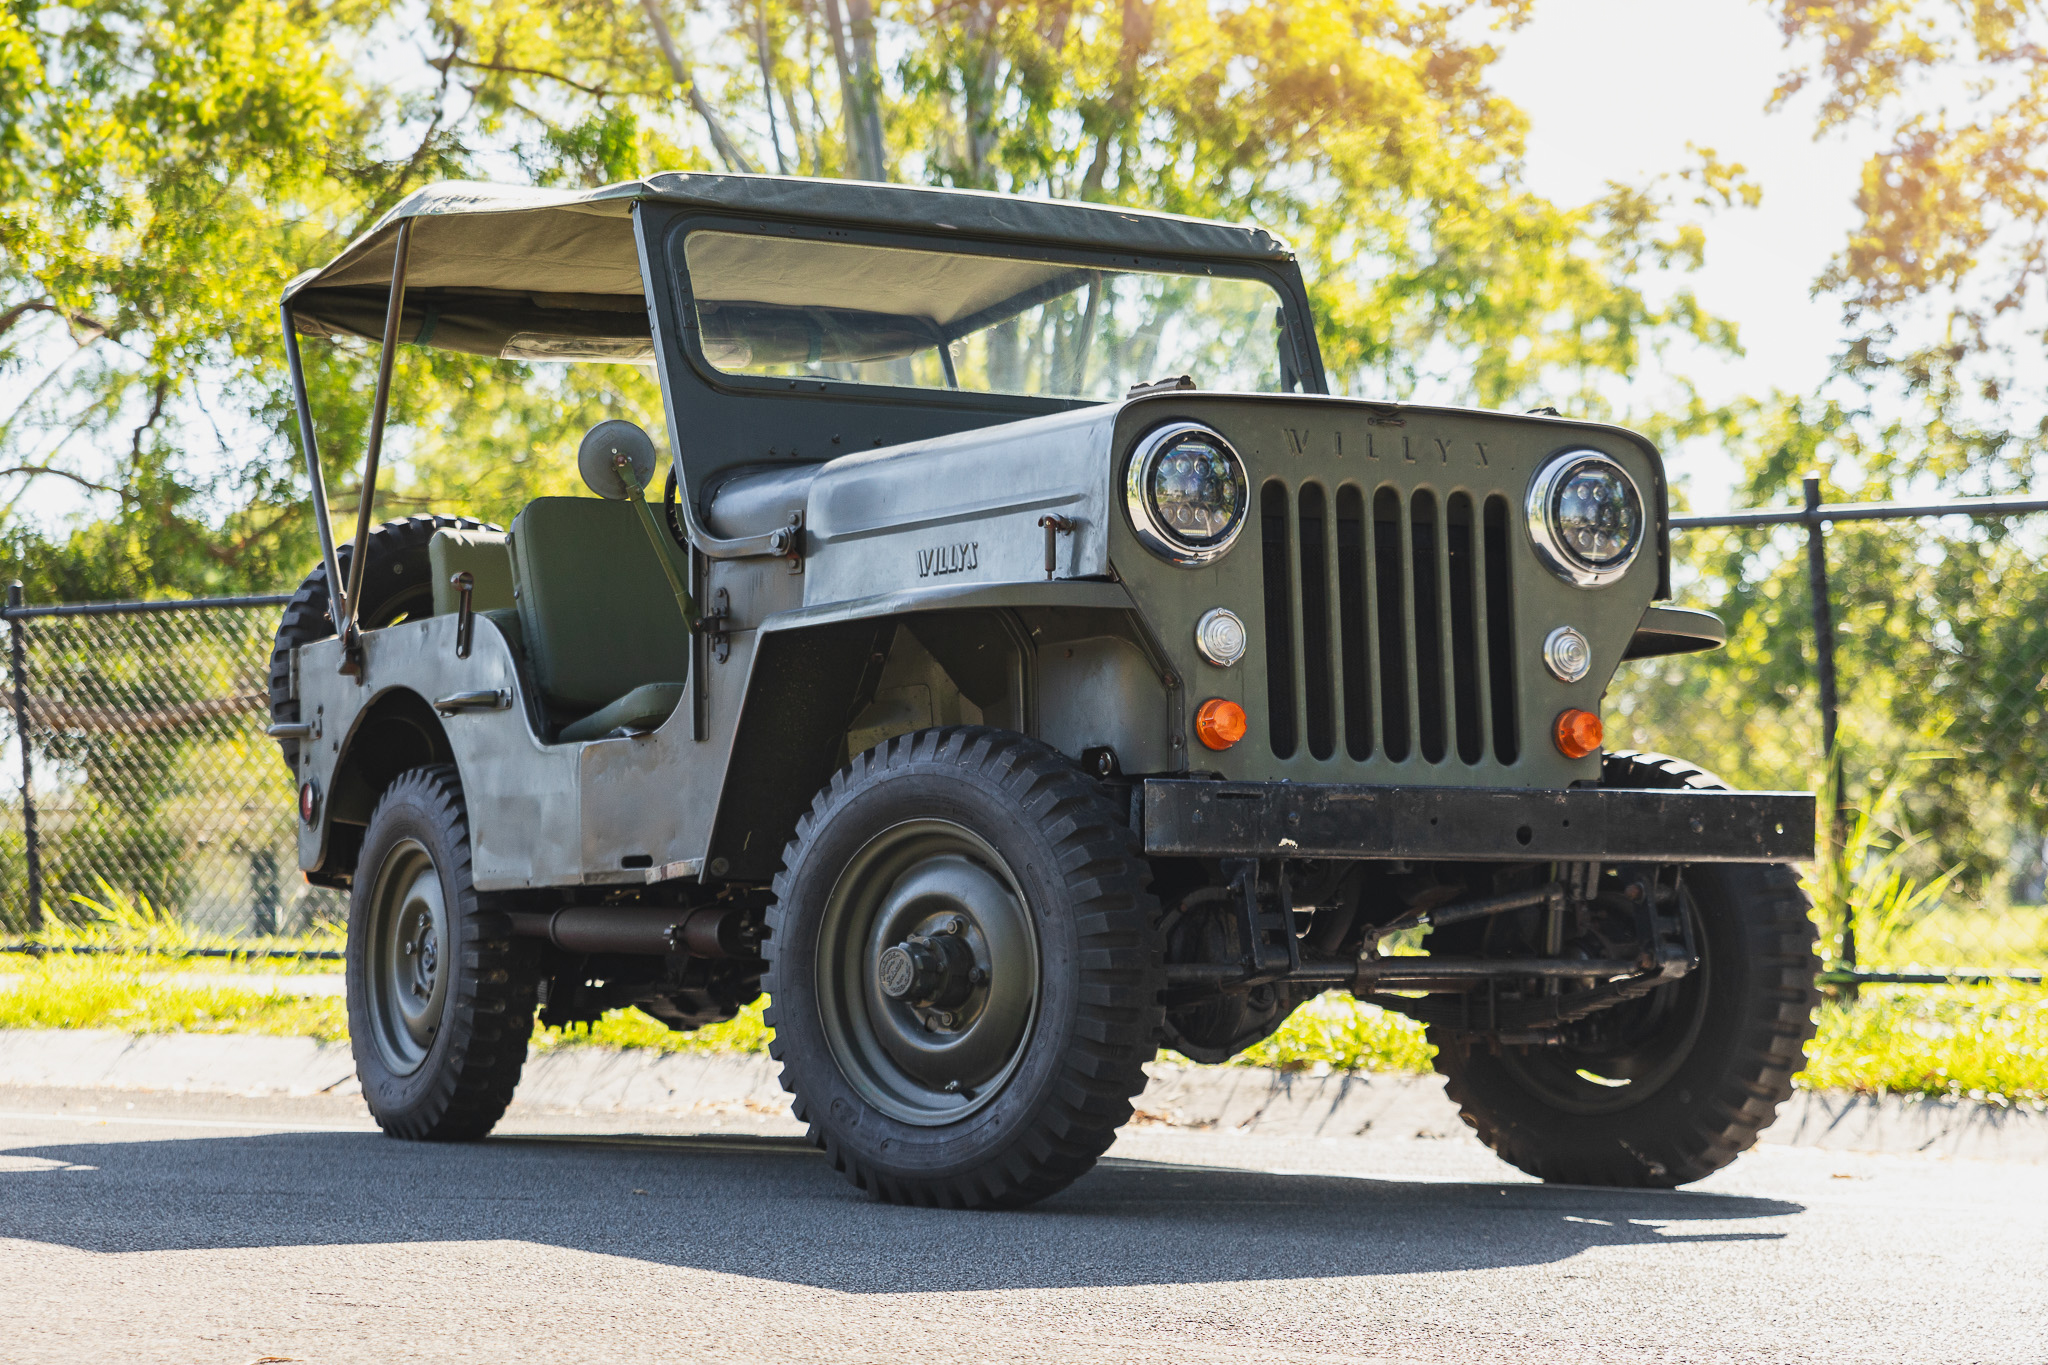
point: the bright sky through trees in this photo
(1617, 89)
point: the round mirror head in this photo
(599, 458)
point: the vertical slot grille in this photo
(1352, 591)
(1279, 618)
(1318, 684)
(1458, 535)
(1389, 624)
(1425, 537)
(1500, 632)
(1392, 591)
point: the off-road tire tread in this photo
(306, 616)
(495, 992)
(1123, 973)
(1770, 1052)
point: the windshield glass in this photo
(794, 307)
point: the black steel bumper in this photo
(1186, 817)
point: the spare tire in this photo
(396, 587)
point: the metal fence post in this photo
(31, 848)
(1830, 701)
(264, 892)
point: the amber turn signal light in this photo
(1219, 723)
(1578, 733)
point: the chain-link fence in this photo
(1915, 650)
(1911, 643)
(147, 790)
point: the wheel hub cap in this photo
(406, 987)
(936, 970)
(931, 980)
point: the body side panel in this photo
(540, 815)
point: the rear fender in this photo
(396, 732)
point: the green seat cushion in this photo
(644, 708)
(486, 556)
(596, 609)
(507, 621)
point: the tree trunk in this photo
(728, 151)
(860, 84)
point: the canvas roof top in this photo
(487, 261)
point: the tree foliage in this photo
(167, 165)
(1938, 390)
(171, 163)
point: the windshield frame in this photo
(1305, 371)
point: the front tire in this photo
(965, 970)
(1668, 1089)
(440, 1008)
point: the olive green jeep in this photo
(1024, 664)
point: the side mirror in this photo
(599, 459)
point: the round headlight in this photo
(1187, 493)
(1586, 517)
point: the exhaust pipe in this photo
(712, 931)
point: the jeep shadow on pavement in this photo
(765, 1209)
(1024, 663)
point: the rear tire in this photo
(396, 588)
(965, 969)
(440, 1001)
(1713, 1055)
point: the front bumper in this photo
(1186, 817)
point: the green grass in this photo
(629, 1028)
(1978, 1042)
(1961, 938)
(1336, 1033)
(1981, 1042)
(117, 992)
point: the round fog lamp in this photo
(1567, 654)
(1586, 517)
(1219, 637)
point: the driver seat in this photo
(607, 649)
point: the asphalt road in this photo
(196, 1230)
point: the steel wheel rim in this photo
(408, 958)
(1676, 1014)
(935, 1063)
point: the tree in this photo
(1936, 391)
(173, 162)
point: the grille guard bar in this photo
(1189, 817)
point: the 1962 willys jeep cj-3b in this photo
(1028, 664)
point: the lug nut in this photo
(978, 976)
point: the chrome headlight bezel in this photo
(1547, 534)
(1146, 524)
